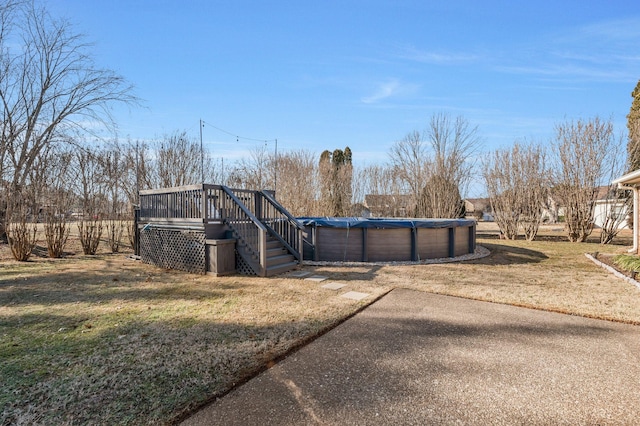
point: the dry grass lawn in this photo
(108, 340)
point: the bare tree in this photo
(178, 161)
(454, 144)
(534, 189)
(437, 165)
(410, 161)
(383, 191)
(297, 183)
(49, 85)
(253, 172)
(617, 206)
(583, 150)
(440, 198)
(27, 206)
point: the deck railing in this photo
(183, 204)
(282, 224)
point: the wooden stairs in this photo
(269, 240)
(278, 259)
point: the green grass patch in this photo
(628, 262)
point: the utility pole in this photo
(275, 171)
(201, 152)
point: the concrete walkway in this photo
(418, 358)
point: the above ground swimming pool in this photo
(357, 239)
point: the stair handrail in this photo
(294, 247)
(282, 210)
(261, 250)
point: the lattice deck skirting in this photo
(242, 266)
(173, 249)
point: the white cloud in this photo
(572, 71)
(388, 89)
(612, 31)
(436, 58)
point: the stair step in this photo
(276, 251)
(279, 260)
(281, 269)
(273, 244)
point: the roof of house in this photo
(630, 179)
(477, 201)
(373, 200)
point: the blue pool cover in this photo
(383, 223)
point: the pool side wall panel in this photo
(389, 244)
(461, 240)
(339, 244)
(433, 243)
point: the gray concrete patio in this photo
(419, 358)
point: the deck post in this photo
(314, 238)
(301, 245)
(452, 242)
(414, 244)
(472, 239)
(263, 252)
(203, 203)
(136, 230)
(365, 251)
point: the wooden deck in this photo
(250, 217)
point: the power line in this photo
(235, 135)
(203, 123)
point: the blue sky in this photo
(329, 74)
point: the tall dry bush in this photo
(618, 203)
(114, 166)
(56, 231)
(410, 162)
(516, 182)
(21, 226)
(90, 231)
(89, 174)
(58, 200)
(583, 149)
(115, 228)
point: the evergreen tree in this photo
(633, 124)
(336, 174)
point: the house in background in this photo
(478, 208)
(631, 181)
(384, 205)
(402, 205)
(609, 207)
